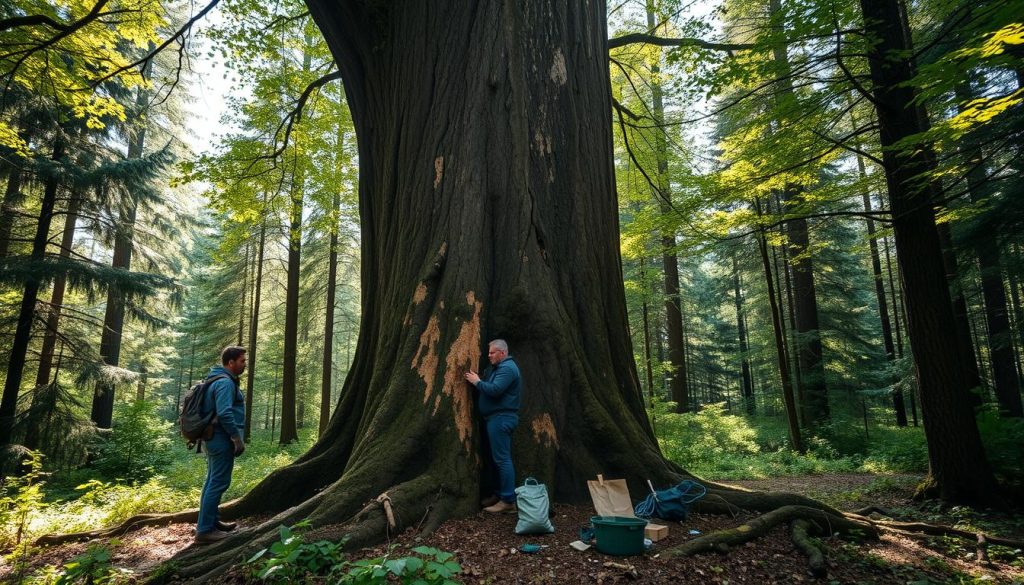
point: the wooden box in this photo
(655, 532)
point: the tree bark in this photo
(997, 316)
(113, 318)
(678, 380)
(332, 283)
(746, 386)
(8, 209)
(898, 405)
(57, 296)
(254, 326)
(644, 310)
(788, 398)
(958, 466)
(289, 426)
(26, 315)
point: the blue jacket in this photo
(499, 390)
(229, 401)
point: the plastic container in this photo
(618, 535)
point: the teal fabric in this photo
(533, 504)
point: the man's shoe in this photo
(489, 501)
(226, 526)
(211, 536)
(502, 508)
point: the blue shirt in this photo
(499, 391)
(228, 400)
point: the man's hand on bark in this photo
(472, 377)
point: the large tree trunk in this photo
(958, 466)
(26, 315)
(488, 209)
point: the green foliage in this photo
(139, 444)
(701, 438)
(20, 500)
(426, 566)
(92, 567)
(291, 559)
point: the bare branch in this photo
(649, 39)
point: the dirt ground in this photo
(487, 548)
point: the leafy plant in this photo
(91, 567)
(20, 498)
(290, 558)
(428, 566)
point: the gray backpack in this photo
(194, 425)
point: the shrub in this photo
(139, 444)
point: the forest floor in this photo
(487, 548)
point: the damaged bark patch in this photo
(420, 294)
(427, 368)
(544, 430)
(438, 170)
(559, 73)
(463, 356)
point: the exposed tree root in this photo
(800, 531)
(133, 523)
(722, 540)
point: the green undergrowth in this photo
(88, 498)
(715, 443)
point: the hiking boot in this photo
(502, 508)
(226, 526)
(489, 501)
(211, 536)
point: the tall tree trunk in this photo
(644, 310)
(33, 432)
(113, 319)
(997, 317)
(780, 344)
(245, 294)
(807, 339)
(9, 207)
(57, 296)
(289, 424)
(673, 304)
(254, 326)
(958, 465)
(746, 387)
(785, 300)
(26, 315)
(962, 320)
(898, 405)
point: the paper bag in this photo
(611, 497)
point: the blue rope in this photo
(686, 493)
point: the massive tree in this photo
(488, 209)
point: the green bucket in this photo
(618, 535)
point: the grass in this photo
(78, 500)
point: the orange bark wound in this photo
(438, 170)
(420, 294)
(544, 430)
(463, 356)
(427, 366)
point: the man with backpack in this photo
(224, 399)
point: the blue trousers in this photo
(220, 459)
(499, 434)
